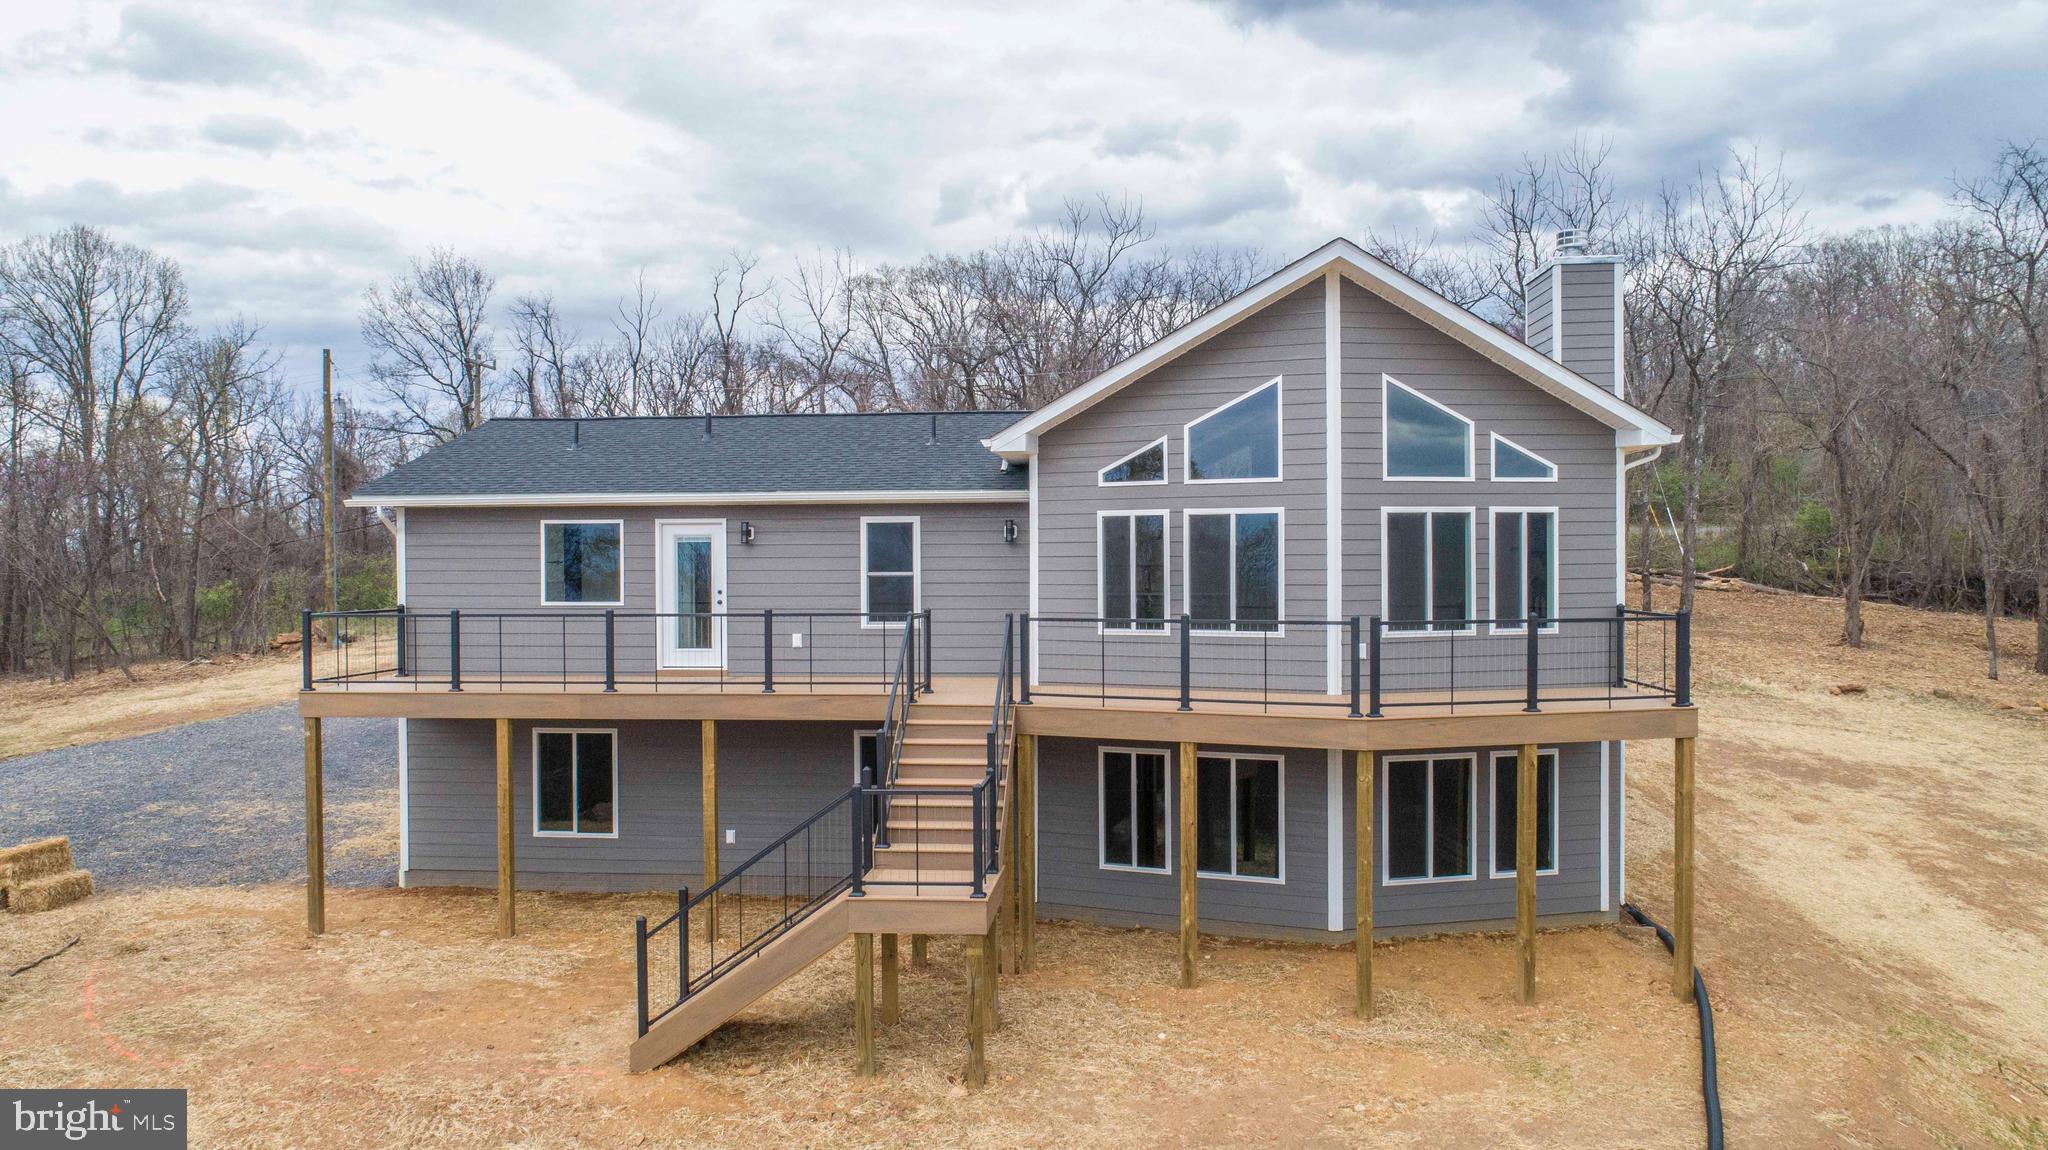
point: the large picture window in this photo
(1233, 570)
(1238, 441)
(1132, 546)
(1424, 439)
(581, 562)
(1429, 818)
(888, 570)
(1506, 777)
(1237, 816)
(1143, 466)
(575, 783)
(1428, 569)
(1134, 824)
(1524, 568)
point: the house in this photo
(1262, 632)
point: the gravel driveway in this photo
(210, 803)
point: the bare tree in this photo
(430, 331)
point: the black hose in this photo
(1710, 1077)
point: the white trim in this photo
(1187, 454)
(547, 602)
(1385, 776)
(667, 650)
(1606, 876)
(1165, 627)
(1187, 568)
(404, 802)
(1493, 810)
(398, 556)
(1493, 569)
(1387, 443)
(1620, 289)
(1495, 439)
(1333, 482)
(575, 770)
(1557, 310)
(1280, 846)
(1621, 819)
(1102, 808)
(683, 498)
(916, 566)
(1333, 835)
(1165, 462)
(1429, 569)
(1382, 280)
(1031, 480)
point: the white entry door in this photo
(692, 605)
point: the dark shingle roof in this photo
(892, 451)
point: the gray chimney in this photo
(1573, 309)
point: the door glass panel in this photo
(693, 593)
(1116, 809)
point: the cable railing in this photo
(602, 650)
(1361, 665)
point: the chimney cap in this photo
(1573, 241)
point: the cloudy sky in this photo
(289, 155)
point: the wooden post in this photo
(710, 806)
(1187, 865)
(506, 923)
(1026, 769)
(316, 835)
(1682, 868)
(889, 1005)
(977, 1037)
(1525, 874)
(994, 987)
(1010, 921)
(917, 951)
(1364, 806)
(864, 1001)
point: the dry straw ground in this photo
(1872, 870)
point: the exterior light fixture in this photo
(746, 531)
(1009, 530)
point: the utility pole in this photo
(327, 485)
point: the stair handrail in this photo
(988, 835)
(903, 686)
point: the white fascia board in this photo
(687, 498)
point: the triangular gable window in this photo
(1145, 465)
(1424, 439)
(1514, 463)
(1239, 440)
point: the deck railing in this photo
(1362, 665)
(769, 649)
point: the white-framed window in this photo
(1240, 817)
(1238, 442)
(1506, 777)
(1524, 568)
(1135, 832)
(1141, 468)
(889, 569)
(1430, 816)
(575, 782)
(1513, 463)
(1234, 569)
(1423, 439)
(1426, 569)
(1131, 575)
(867, 756)
(583, 562)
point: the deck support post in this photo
(1682, 867)
(918, 961)
(507, 923)
(710, 807)
(890, 1012)
(992, 1018)
(976, 1074)
(316, 834)
(1362, 806)
(1187, 865)
(864, 1001)
(1525, 871)
(1024, 766)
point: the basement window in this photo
(1238, 822)
(1430, 819)
(1134, 833)
(1506, 776)
(575, 783)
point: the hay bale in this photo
(34, 860)
(50, 892)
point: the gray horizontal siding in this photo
(1586, 320)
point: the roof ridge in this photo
(748, 415)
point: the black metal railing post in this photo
(1683, 643)
(860, 836)
(1009, 644)
(306, 650)
(640, 965)
(1530, 626)
(1372, 663)
(611, 652)
(455, 649)
(1186, 680)
(979, 854)
(1352, 632)
(401, 640)
(768, 650)
(1620, 650)
(682, 943)
(1024, 660)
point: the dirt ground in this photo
(1872, 876)
(39, 715)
